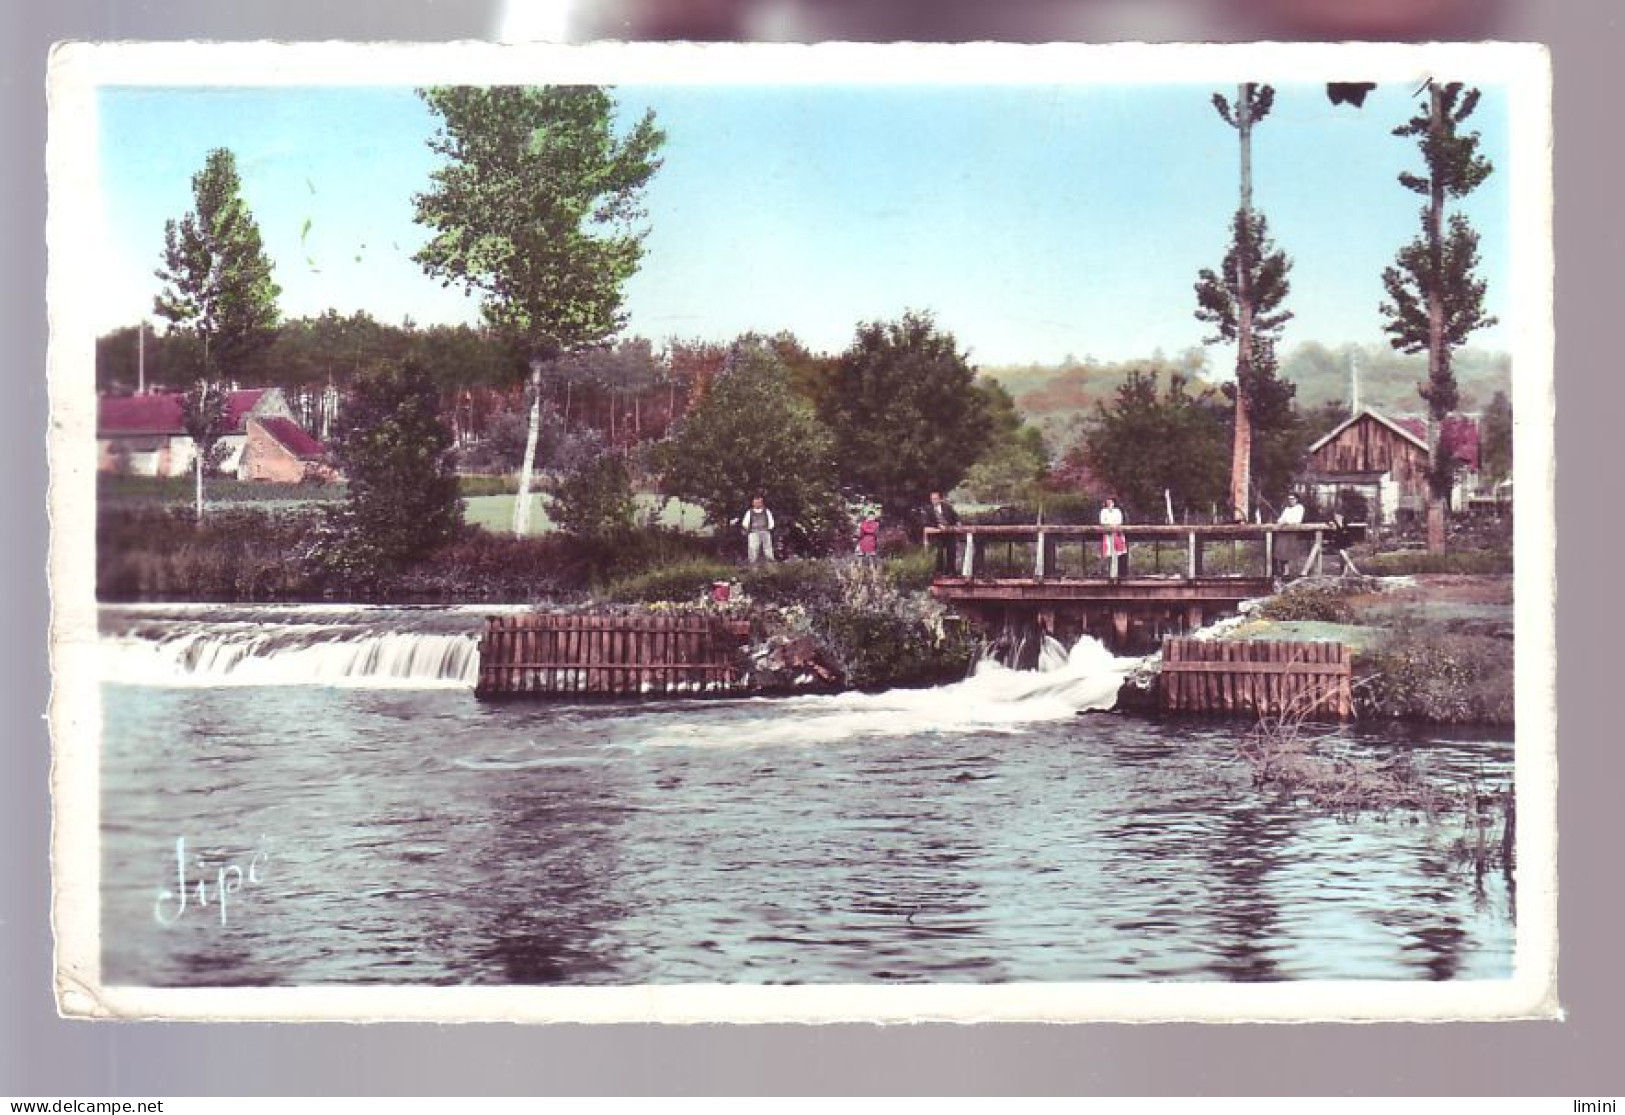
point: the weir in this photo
(1008, 579)
(349, 647)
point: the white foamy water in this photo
(253, 654)
(993, 699)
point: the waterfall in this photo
(340, 647)
(1052, 655)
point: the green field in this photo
(495, 513)
(489, 512)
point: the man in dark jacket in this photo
(941, 513)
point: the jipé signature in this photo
(229, 878)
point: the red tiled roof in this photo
(160, 413)
(293, 438)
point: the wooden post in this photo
(969, 570)
(1269, 552)
(1038, 561)
(1120, 626)
(1313, 559)
(1193, 562)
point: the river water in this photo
(367, 820)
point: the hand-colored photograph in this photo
(1007, 530)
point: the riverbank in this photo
(1433, 647)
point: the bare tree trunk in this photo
(197, 472)
(1437, 355)
(1241, 449)
(521, 503)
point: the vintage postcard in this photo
(759, 533)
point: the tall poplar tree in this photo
(217, 288)
(1435, 297)
(1243, 299)
(535, 209)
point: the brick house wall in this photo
(278, 451)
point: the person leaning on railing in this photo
(1288, 547)
(1113, 544)
(941, 514)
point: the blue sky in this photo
(1035, 222)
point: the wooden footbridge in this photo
(1173, 579)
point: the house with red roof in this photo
(144, 435)
(279, 450)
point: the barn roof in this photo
(293, 438)
(160, 412)
(1397, 427)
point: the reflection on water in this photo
(419, 836)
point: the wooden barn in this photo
(1376, 457)
(1385, 460)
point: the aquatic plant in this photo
(1290, 755)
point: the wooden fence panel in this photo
(1263, 678)
(608, 655)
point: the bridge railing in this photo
(1065, 552)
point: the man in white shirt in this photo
(757, 523)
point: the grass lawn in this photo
(495, 513)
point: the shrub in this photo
(1068, 508)
(1322, 601)
(151, 491)
(1412, 562)
(595, 498)
(911, 570)
(798, 581)
(1445, 678)
(883, 649)
(472, 487)
(478, 565)
(235, 554)
(684, 581)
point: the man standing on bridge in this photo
(941, 514)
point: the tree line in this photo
(536, 209)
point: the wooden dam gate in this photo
(1258, 677)
(545, 654)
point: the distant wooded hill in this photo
(1053, 395)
